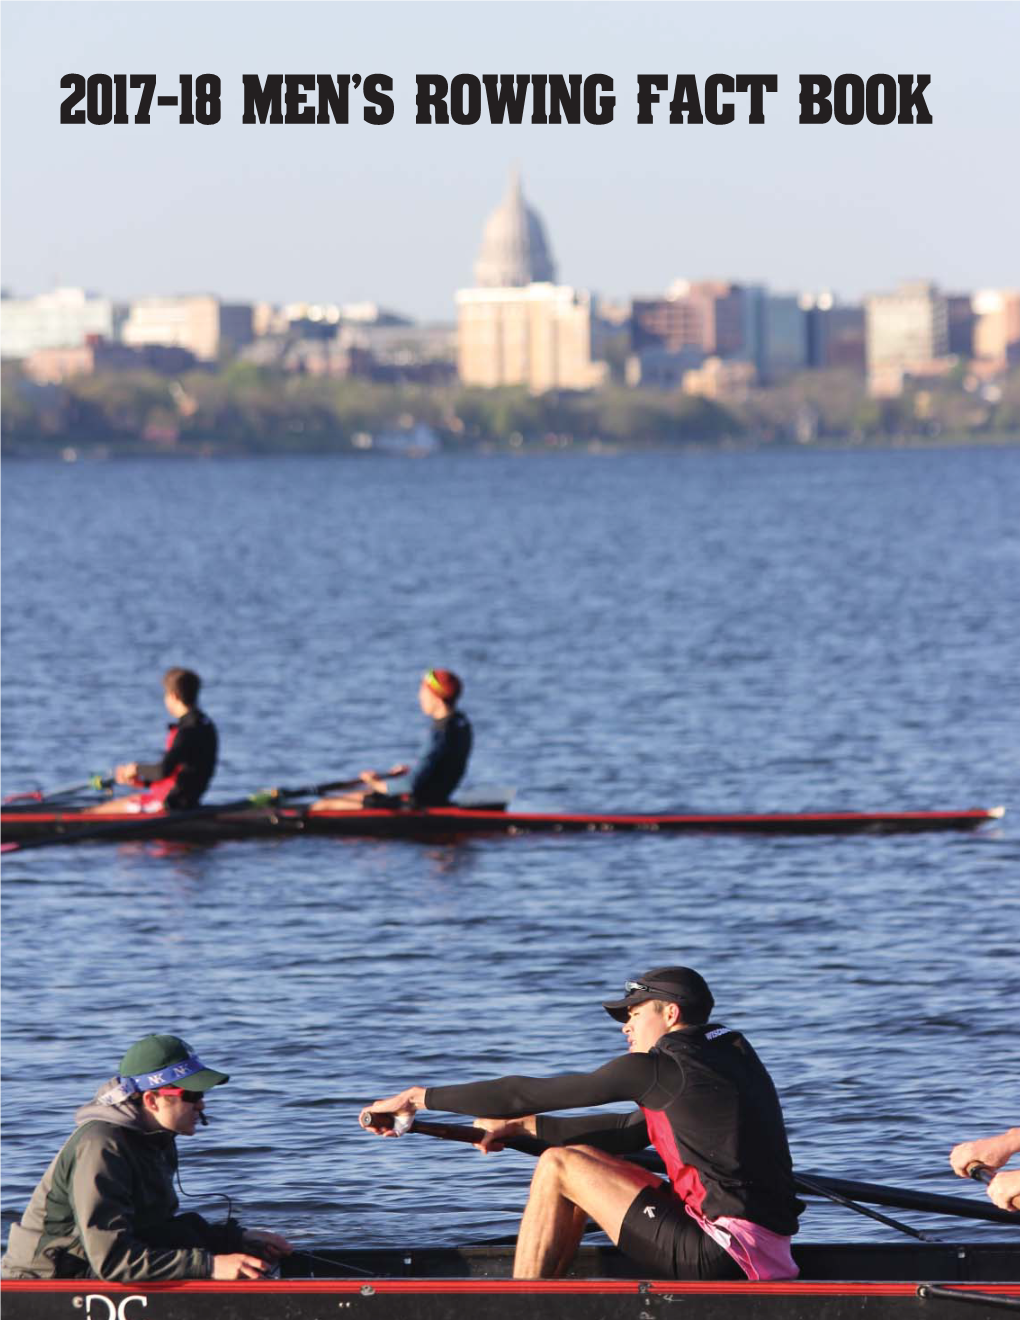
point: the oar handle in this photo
(375, 1118)
(983, 1174)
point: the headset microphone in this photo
(202, 1118)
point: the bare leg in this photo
(348, 802)
(571, 1241)
(114, 805)
(571, 1184)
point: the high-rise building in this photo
(201, 324)
(710, 315)
(907, 332)
(516, 326)
(835, 332)
(960, 324)
(715, 317)
(61, 319)
(782, 337)
(539, 336)
(997, 327)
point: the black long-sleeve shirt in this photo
(718, 1099)
(633, 1077)
(192, 754)
(444, 761)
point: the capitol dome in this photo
(514, 249)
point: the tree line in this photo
(245, 408)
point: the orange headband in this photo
(442, 687)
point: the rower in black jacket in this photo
(177, 781)
(707, 1104)
(442, 764)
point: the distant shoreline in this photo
(107, 451)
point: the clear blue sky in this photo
(394, 213)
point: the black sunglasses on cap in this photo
(629, 988)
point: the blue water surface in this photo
(721, 631)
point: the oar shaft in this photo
(900, 1198)
(811, 1185)
(267, 796)
(97, 782)
(815, 1183)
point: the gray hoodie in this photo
(106, 1208)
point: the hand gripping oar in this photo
(815, 1184)
(97, 782)
(445, 1131)
(983, 1174)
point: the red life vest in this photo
(684, 1178)
(158, 792)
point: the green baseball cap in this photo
(158, 1060)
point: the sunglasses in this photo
(629, 987)
(192, 1097)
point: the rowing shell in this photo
(208, 824)
(926, 1281)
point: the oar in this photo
(143, 825)
(983, 1174)
(903, 1199)
(97, 782)
(813, 1183)
(448, 1131)
(806, 1184)
(267, 796)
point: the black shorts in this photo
(664, 1242)
(387, 801)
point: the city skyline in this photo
(393, 214)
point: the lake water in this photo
(757, 631)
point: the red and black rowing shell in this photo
(208, 824)
(923, 1281)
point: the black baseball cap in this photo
(678, 985)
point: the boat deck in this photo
(27, 824)
(926, 1281)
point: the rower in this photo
(708, 1106)
(106, 1207)
(442, 764)
(177, 782)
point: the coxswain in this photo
(727, 1209)
(106, 1207)
(177, 782)
(442, 764)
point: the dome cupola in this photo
(514, 249)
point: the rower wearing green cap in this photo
(106, 1207)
